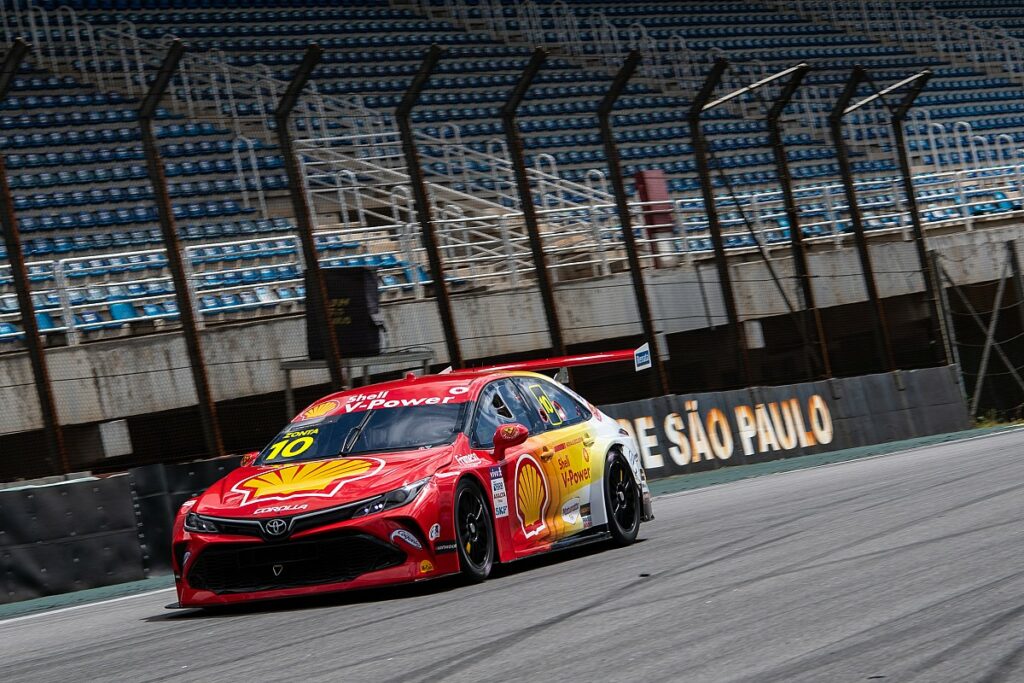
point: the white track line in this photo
(46, 613)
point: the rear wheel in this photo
(474, 530)
(622, 500)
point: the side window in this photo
(499, 403)
(555, 407)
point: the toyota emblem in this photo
(275, 527)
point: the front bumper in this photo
(376, 551)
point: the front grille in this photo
(250, 567)
(253, 527)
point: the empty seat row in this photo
(87, 99)
(137, 193)
(138, 214)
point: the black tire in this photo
(474, 531)
(621, 500)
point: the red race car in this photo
(414, 479)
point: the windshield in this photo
(385, 429)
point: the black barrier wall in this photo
(96, 532)
(67, 537)
(681, 434)
(159, 492)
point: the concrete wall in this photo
(104, 381)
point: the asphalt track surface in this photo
(907, 567)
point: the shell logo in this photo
(531, 496)
(313, 479)
(318, 410)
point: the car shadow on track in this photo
(437, 586)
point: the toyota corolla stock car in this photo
(414, 479)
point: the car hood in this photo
(295, 488)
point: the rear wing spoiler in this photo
(641, 358)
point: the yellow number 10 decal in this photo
(289, 448)
(546, 404)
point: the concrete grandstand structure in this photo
(98, 269)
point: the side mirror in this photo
(508, 436)
(249, 458)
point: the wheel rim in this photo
(623, 495)
(473, 534)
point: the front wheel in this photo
(475, 532)
(622, 500)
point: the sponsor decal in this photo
(293, 443)
(277, 569)
(508, 432)
(642, 358)
(715, 434)
(426, 566)
(585, 509)
(408, 538)
(458, 391)
(571, 511)
(573, 477)
(531, 496)
(435, 532)
(498, 494)
(588, 522)
(382, 399)
(442, 547)
(318, 410)
(321, 479)
(279, 508)
(468, 459)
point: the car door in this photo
(521, 488)
(565, 455)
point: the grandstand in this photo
(84, 202)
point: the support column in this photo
(316, 291)
(423, 211)
(52, 433)
(175, 262)
(793, 218)
(611, 150)
(736, 333)
(924, 263)
(835, 121)
(515, 152)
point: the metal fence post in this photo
(835, 121)
(23, 289)
(700, 153)
(423, 212)
(175, 262)
(924, 263)
(316, 291)
(611, 150)
(793, 214)
(515, 151)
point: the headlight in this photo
(392, 499)
(197, 524)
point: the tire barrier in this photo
(682, 434)
(64, 537)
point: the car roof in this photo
(451, 387)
